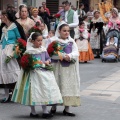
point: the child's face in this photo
(38, 42)
(82, 26)
(42, 27)
(112, 40)
(64, 32)
(50, 34)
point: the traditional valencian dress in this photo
(27, 25)
(84, 47)
(96, 35)
(9, 72)
(38, 86)
(67, 73)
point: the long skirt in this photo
(86, 55)
(9, 72)
(68, 80)
(37, 87)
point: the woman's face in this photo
(97, 15)
(24, 13)
(114, 14)
(64, 32)
(35, 13)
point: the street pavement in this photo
(100, 96)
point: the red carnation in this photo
(57, 15)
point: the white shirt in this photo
(75, 20)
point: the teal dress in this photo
(9, 72)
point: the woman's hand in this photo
(47, 62)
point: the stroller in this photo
(111, 53)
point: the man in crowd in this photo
(71, 17)
(44, 6)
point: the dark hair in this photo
(66, 3)
(10, 15)
(35, 35)
(63, 25)
(81, 23)
(22, 6)
(111, 37)
(84, 17)
(81, 4)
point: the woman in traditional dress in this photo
(35, 15)
(37, 86)
(9, 72)
(114, 21)
(24, 20)
(67, 72)
(96, 36)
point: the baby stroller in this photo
(111, 53)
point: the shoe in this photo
(85, 61)
(34, 116)
(6, 100)
(47, 115)
(68, 114)
(52, 111)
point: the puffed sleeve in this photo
(75, 53)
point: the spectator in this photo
(35, 15)
(71, 17)
(45, 16)
(90, 13)
(44, 6)
(80, 11)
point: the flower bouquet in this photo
(55, 49)
(18, 49)
(29, 62)
(57, 15)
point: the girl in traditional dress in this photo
(9, 72)
(38, 85)
(84, 47)
(114, 21)
(44, 29)
(66, 72)
(24, 20)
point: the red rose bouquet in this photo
(55, 49)
(26, 62)
(18, 49)
(29, 62)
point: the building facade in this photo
(55, 3)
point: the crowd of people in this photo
(40, 66)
